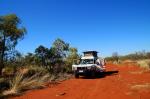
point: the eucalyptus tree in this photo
(10, 33)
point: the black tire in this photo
(93, 74)
(76, 75)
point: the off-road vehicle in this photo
(90, 64)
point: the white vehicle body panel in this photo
(84, 65)
(88, 57)
(98, 67)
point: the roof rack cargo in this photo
(90, 53)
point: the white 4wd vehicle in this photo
(90, 64)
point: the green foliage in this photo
(72, 55)
(10, 33)
(113, 58)
(134, 56)
(57, 58)
(109, 59)
(42, 54)
(60, 47)
(58, 53)
(33, 69)
(29, 59)
(147, 56)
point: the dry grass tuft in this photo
(20, 83)
(31, 77)
(140, 87)
(144, 64)
(137, 72)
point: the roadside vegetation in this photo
(20, 72)
(140, 58)
(144, 63)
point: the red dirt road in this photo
(112, 86)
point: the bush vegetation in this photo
(144, 63)
(20, 72)
(134, 56)
(142, 58)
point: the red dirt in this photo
(112, 86)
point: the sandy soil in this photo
(112, 86)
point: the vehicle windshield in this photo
(87, 61)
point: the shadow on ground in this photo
(109, 73)
(100, 75)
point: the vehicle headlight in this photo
(89, 67)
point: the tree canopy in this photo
(10, 33)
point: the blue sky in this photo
(107, 26)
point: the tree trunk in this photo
(2, 55)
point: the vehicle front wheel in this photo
(93, 74)
(76, 75)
